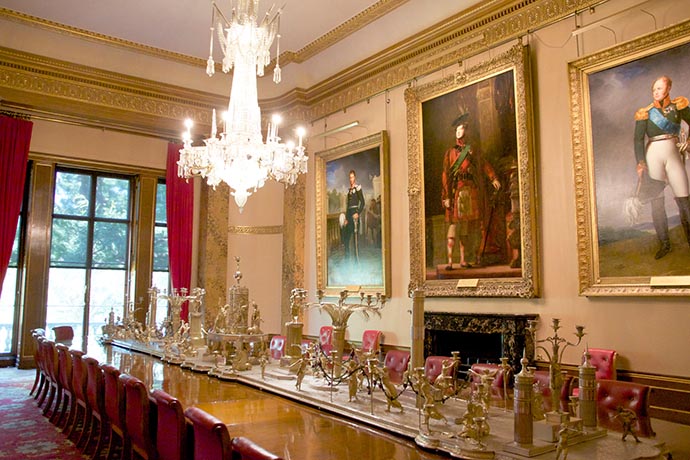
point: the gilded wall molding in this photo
(255, 230)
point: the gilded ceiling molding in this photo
(347, 28)
(255, 230)
(486, 26)
(52, 26)
(105, 99)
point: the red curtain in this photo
(15, 136)
(179, 203)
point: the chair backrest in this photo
(371, 341)
(171, 431)
(326, 339)
(604, 361)
(277, 346)
(396, 362)
(63, 334)
(211, 437)
(64, 367)
(95, 386)
(139, 423)
(79, 375)
(542, 378)
(114, 393)
(433, 366)
(615, 394)
(246, 449)
(499, 375)
(51, 360)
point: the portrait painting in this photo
(352, 216)
(472, 218)
(631, 151)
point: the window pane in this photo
(162, 281)
(107, 291)
(66, 300)
(161, 210)
(68, 243)
(14, 257)
(72, 194)
(7, 302)
(109, 245)
(112, 198)
(160, 249)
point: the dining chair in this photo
(171, 432)
(245, 449)
(140, 423)
(211, 437)
(96, 417)
(113, 383)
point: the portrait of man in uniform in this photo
(639, 125)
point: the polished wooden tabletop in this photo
(284, 427)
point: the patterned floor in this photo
(26, 433)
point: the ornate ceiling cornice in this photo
(80, 94)
(352, 25)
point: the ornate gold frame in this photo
(375, 141)
(592, 282)
(526, 285)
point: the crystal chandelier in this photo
(238, 155)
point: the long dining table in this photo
(311, 423)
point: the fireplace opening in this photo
(474, 347)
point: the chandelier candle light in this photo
(238, 155)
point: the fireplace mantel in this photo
(511, 327)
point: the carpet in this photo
(24, 432)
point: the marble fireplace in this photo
(479, 337)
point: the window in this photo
(161, 272)
(90, 250)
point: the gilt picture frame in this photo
(619, 238)
(473, 200)
(352, 218)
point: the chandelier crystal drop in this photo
(238, 155)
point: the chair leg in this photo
(86, 430)
(36, 381)
(41, 384)
(103, 430)
(51, 398)
(44, 391)
(66, 400)
(78, 424)
(70, 416)
(113, 444)
(55, 415)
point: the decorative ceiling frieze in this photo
(70, 92)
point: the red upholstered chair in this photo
(246, 449)
(211, 437)
(371, 341)
(140, 422)
(326, 339)
(77, 416)
(96, 417)
(113, 382)
(604, 363)
(433, 366)
(277, 346)
(543, 380)
(614, 394)
(171, 432)
(63, 334)
(395, 363)
(50, 388)
(498, 373)
(38, 335)
(65, 396)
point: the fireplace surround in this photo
(479, 337)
